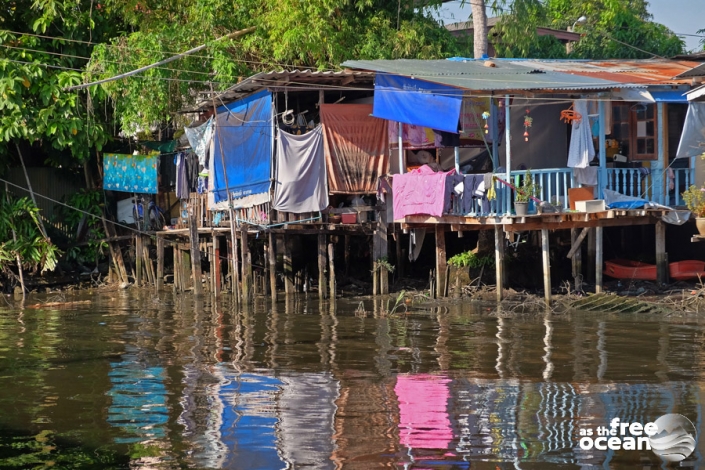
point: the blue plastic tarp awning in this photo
(418, 102)
(243, 141)
(670, 96)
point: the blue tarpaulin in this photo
(414, 101)
(243, 138)
(670, 96)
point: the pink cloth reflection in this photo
(423, 416)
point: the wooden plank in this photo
(440, 260)
(148, 262)
(322, 261)
(499, 260)
(195, 254)
(272, 267)
(661, 256)
(138, 259)
(331, 270)
(159, 285)
(598, 258)
(217, 266)
(546, 258)
(575, 243)
(246, 266)
(288, 266)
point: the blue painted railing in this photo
(662, 186)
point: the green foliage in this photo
(34, 250)
(90, 201)
(469, 259)
(289, 34)
(383, 263)
(527, 189)
(34, 72)
(694, 199)
(611, 23)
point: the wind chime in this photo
(486, 116)
(528, 120)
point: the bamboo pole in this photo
(546, 266)
(17, 255)
(31, 192)
(272, 267)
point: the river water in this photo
(135, 380)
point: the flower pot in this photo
(700, 225)
(521, 208)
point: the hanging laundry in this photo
(182, 189)
(130, 173)
(421, 191)
(586, 176)
(581, 150)
(300, 184)
(200, 139)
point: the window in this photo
(634, 127)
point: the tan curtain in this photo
(355, 148)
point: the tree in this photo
(289, 34)
(479, 24)
(616, 29)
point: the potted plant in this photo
(694, 198)
(524, 192)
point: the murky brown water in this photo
(132, 380)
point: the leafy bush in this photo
(471, 260)
(81, 204)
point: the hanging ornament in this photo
(528, 120)
(486, 116)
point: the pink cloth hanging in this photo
(421, 191)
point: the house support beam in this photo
(545, 257)
(195, 253)
(331, 270)
(661, 255)
(272, 254)
(322, 261)
(441, 264)
(577, 256)
(598, 258)
(288, 266)
(499, 260)
(602, 179)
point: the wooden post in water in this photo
(288, 266)
(160, 264)
(499, 259)
(331, 269)
(576, 261)
(591, 275)
(380, 249)
(195, 253)
(148, 262)
(246, 266)
(272, 267)
(545, 256)
(661, 255)
(217, 266)
(598, 259)
(399, 253)
(440, 260)
(322, 285)
(265, 273)
(177, 267)
(138, 259)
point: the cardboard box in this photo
(349, 218)
(595, 205)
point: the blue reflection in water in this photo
(138, 398)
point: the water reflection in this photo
(201, 384)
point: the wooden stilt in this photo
(331, 269)
(265, 274)
(598, 259)
(138, 259)
(151, 278)
(235, 272)
(115, 252)
(591, 255)
(159, 285)
(661, 255)
(381, 246)
(346, 254)
(399, 254)
(246, 266)
(288, 266)
(273, 267)
(577, 259)
(195, 253)
(177, 268)
(545, 256)
(440, 260)
(499, 259)
(186, 272)
(322, 285)
(217, 267)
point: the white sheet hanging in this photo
(581, 150)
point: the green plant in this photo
(80, 205)
(470, 259)
(383, 263)
(528, 188)
(694, 199)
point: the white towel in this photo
(586, 175)
(581, 149)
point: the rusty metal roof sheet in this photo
(633, 72)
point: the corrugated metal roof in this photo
(634, 72)
(289, 78)
(698, 71)
(485, 75)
